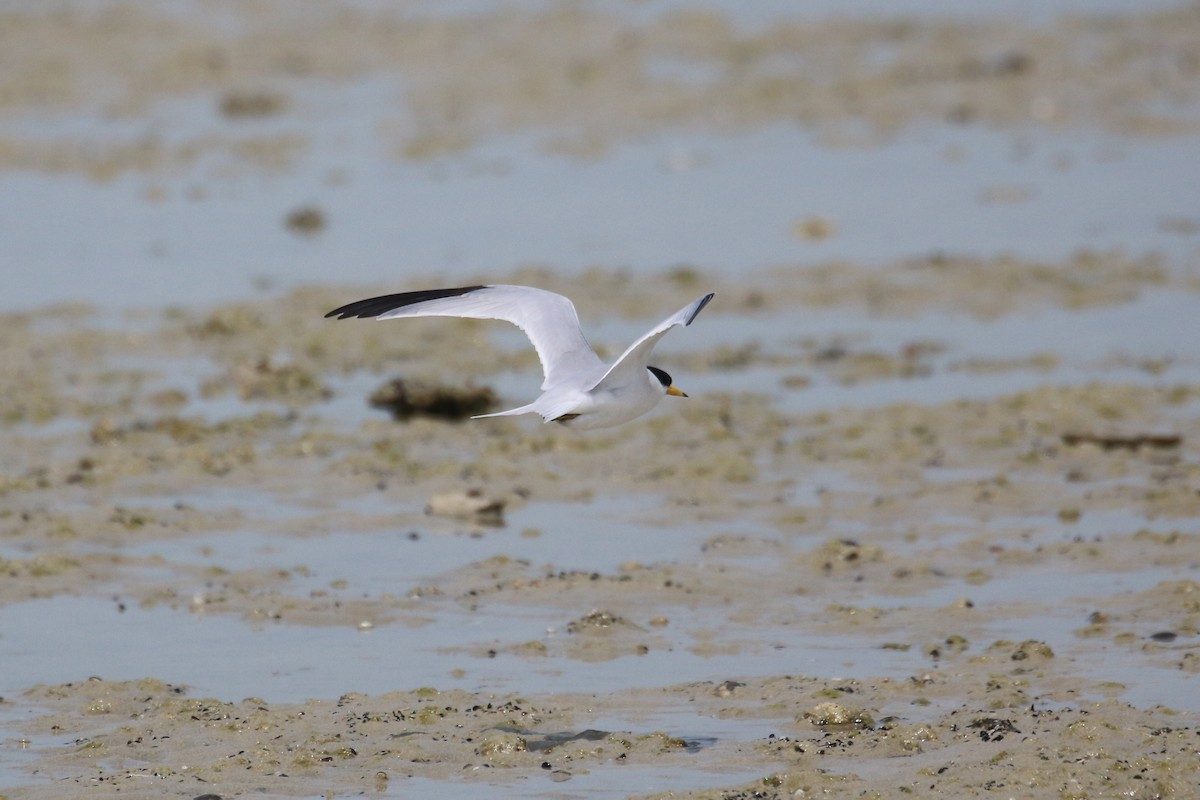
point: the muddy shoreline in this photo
(892, 542)
(843, 524)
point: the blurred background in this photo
(188, 152)
(944, 413)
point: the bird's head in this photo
(661, 378)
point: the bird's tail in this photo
(512, 412)
(550, 406)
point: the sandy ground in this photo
(852, 513)
(586, 77)
(967, 493)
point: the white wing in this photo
(636, 358)
(548, 319)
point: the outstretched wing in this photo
(637, 357)
(548, 319)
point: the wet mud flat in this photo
(938, 596)
(583, 78)
(927, 526)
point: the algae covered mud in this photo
(926, 524)
(225, 573)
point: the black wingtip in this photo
(703, 302)
(374, 306)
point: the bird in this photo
(579, 390)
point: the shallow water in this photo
(511, 205)
(742, 552)
(438, 642)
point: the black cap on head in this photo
(662, 376)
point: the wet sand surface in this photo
(926, 526)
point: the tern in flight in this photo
(579, 390)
